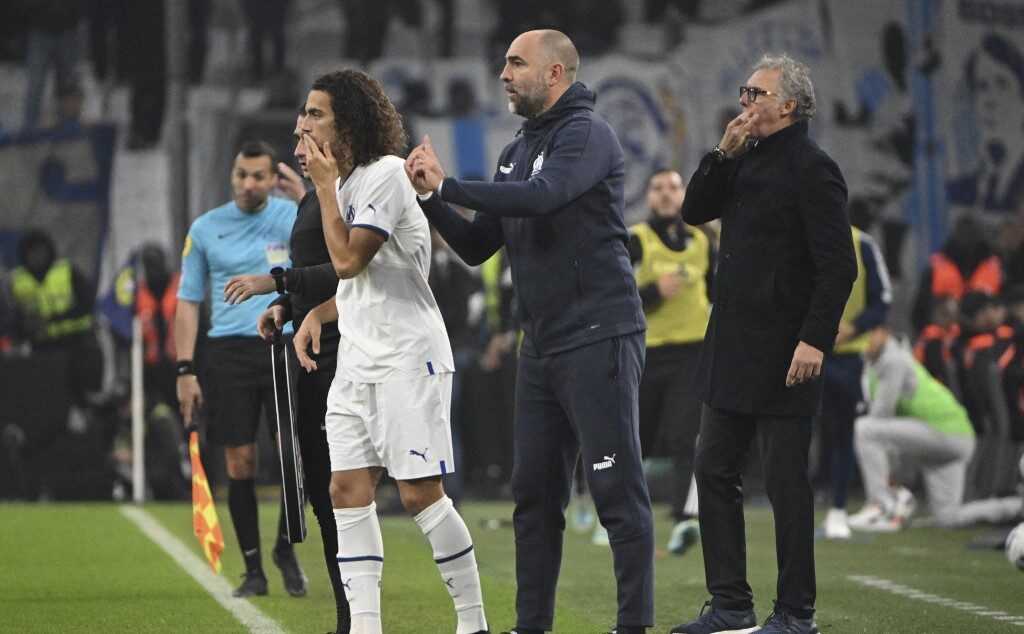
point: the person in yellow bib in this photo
(914, 417)
(865, 309)
(674, 266)
(53, 306)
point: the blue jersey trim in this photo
(342, 560)
(443, 560)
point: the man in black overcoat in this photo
(786, 267)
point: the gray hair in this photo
(794, 83)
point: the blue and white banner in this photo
(983, 105)
(58, 182)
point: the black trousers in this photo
(670, 411)
(582, 402)
(722, 450)
(311, 394)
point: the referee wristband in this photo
(185, 367)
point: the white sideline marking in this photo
(246, 613)
(912, 593)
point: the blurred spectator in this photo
(198, 33)
(913, 417)
(674, 265)
(454, 284)
(147, 69)
(267, 20)
(934, 346)
(366, 25)
(53, 311)
(156, 300)
(983, 353)
(965, 263)
(52, 41)
(865, 310)
(108, 38)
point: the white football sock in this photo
(360, 561)
(456, 561)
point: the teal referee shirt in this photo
(225, 242)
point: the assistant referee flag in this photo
(204, 515)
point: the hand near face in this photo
(322, 166)
(423, 168)
(737, 133)
(290, 183)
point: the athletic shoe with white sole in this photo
(783, 623)
(904, 504)
(835, 525)
(865, 516)
(714, 620)
(684, 536)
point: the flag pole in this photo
(138, 416)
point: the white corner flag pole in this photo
(138, 417)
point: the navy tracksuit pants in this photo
(582, 402)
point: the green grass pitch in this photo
(87, 568)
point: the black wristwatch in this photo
(278, 274)
(719, 155)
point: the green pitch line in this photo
(87, 568)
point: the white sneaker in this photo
(865, 516)
(904, 504)
(881, 524)
(835, 525)
(600, 537)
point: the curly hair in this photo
(364, 117)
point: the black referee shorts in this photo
(238, 383)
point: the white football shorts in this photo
(403, 426)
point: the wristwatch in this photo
(278, 274)
(719, 155)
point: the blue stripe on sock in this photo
(444, 469)
(455, 556)
(342, 560)
(430, 367)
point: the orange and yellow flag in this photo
(204, 515)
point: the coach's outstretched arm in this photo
(578, 161)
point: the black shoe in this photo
(783, 623)
(253, 584)
(294, 579)
(718, 620)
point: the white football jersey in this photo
(390, 325)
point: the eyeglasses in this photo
(753, 92)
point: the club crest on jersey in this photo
(537, 164)
(350, 214)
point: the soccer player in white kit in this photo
(389, 404)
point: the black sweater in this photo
(312, 279)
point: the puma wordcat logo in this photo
(607, 463)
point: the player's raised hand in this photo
(322, 166)
(308, 336)
(270, 322)
(290, 183)
(424, 169)
(241, 287)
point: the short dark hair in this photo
(365, 119)
(663, 170)
(256, 148)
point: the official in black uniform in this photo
(309, 282)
